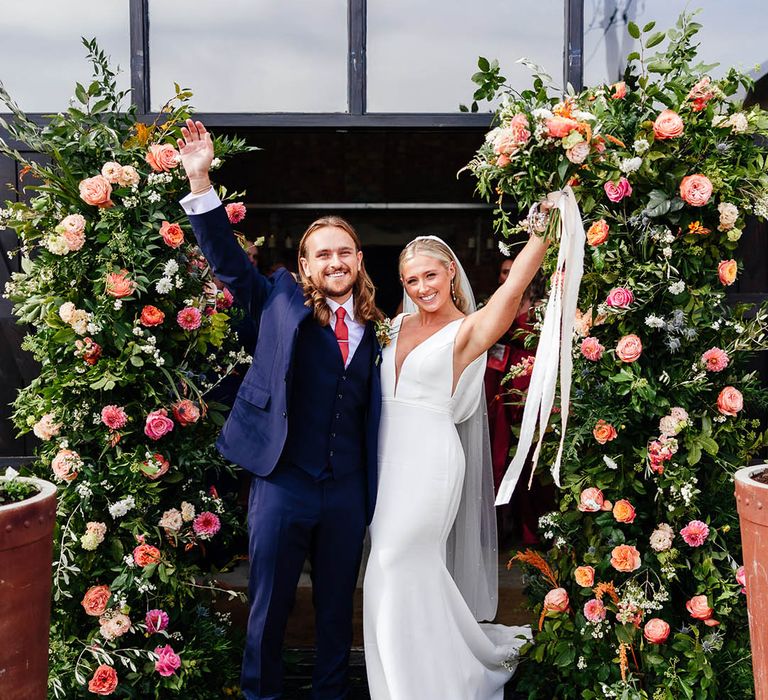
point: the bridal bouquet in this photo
(134, 339)
(640, 593)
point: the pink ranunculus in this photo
(699, 608)
(168, 661)
(189, 318)
(591, 348)
(157, 424)
(96, 191)
(162, 157)
(206, 524)
(594, 610)
(730, 401)
(741, 578)
(668, 125)
(715, 360)
(620, 298)
(656, 631)
(560, 127)
(629, 348)
(625, 558)
(557, 600)
(235, 212)
(695, 533)
(119, 284)
(617, 191)
(695, 190)
(591, 500)
(114, 417)
(156, 620)
(584, 576)
(727, 271)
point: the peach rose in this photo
(699, 608)
(730, 401)
(695, 190)
(104, 680)
(151, 316)
(64, 465)
(585, 576)
(162, 157)
(604, 432)
(629, 348)
(591, 500)
(619, 90)
(557, 600)
(625, 558)
(616, 191)
(112, 172)
(727, 271)
(95, 600)
(96, 191)
(172, 234)
(146, 554)
(129, 176)
(623, 511)
(591, 348)
(119, 285)
(656, 630)
(668, 125)
(75, 240)
(560, 127)
(597, 233)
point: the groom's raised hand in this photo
(196, 150)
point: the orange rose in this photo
(625, 558)
(668, 125)
(119, 285)
(656, 630)
(727, 271)
(623, 511)
(96, 191)
(597, 233)
(104, 680)
(695, 190)
(585, 576)
(146, 554)
(557, 600)
(172, 234)
(560, 127)
(730, 401)
(95, 600)
(162, 157)
(151, 316)
(604, 432)
(629, 348)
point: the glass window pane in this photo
(41, 55)
(422, 54)
(730, 37)
(250, 55)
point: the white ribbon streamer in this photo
(555, 346)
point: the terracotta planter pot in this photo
(752, 502)
(26, 549)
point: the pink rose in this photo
(591, 348)
(104, 680)
(156, 621)
(625, 558)
(617, 191)
(96, 191)
(235, 212)
(189, 318)
(727, 271)
(158, 424)
(695, 190)
(65, 464)
(557, 601)
(629, 348)
(594, 610)
(730, 401)
(119, 285)
(114, 417)
(206, 525)
(168, 661)
(620, 298)
(656, 631)
(695, 533)
(591, 500)
(585, 576)
(715, 360)
(668, 125)
(699, 608)
(741, 578)
(560, 127)
(162, 157)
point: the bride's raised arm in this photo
(485, 326)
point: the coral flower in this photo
(235, 212)
(715, 360)
(629, 348)
(591, 500)
(557, 600)
(624, 511)
(172, 234)
(119, 285)
(591, 348)
(151, 316)
(146, 554)
(96, 191)
(625, 558)
(695, 190)
(730, 401)
(604, 432)
(656, 630)
(162, 157)
(727, 271)
(186, 412)
(594, 610)
(95, 600)
(597, 233)
(104, 680)
(668, 125)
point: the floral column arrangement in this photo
(641, 591)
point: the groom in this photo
(305, 423)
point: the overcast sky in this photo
(291, 55)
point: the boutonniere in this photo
(383, 332)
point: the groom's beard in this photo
(336, 287)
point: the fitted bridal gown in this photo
(422, 642)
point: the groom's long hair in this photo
(363, 290)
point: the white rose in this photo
(578, 153)
(66, 311)
(729, 213)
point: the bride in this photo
(432, 573)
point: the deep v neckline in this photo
(399, 372)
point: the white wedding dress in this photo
(422, 641)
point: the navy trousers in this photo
(292, 516)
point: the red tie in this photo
(342, 333)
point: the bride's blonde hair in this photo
(440, 251)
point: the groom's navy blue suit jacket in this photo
(255, 432)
